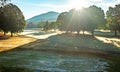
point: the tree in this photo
(113, 18)
(71, 17)
(46, 26)
(53, 25)
(3, 25)
(68, 21)
(80, 20)
(14, 20)
(62, 21)
(76, 20)
(30, 25)
(2, 3)
(41, 24)
(95, 18)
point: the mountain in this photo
(49, 16)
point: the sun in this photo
(77, 4)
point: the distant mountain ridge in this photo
(49, 16)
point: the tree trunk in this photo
(92, 32)
(115, 32)
(83, 32)
(67, 32)
(46, 31)
(4, 33)
(70, 32)
(78, 33)
(11, 34)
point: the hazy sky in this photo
(31, 8)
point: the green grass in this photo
(61, 42)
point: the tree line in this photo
(85, 19)
(44, 25)
(89, 19)
(113, 18)
(11, 18)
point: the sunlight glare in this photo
(77, 4)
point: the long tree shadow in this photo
(4, 37)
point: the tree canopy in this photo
(12, 19)
(85, 19)
(113, 18)
(62, 21)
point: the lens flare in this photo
(77, 4)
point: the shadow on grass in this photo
(16, 69)
(4, 37)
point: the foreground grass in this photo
(50, 62)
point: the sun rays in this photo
(77, 4)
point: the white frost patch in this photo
(30, 34)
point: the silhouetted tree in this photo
(95, 18)
(46, 26)
(80, 20)
(62, 21)
(113, 18)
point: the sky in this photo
(31, 8)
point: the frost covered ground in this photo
(50, 52)
(36, 60)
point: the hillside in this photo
(49, 16)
